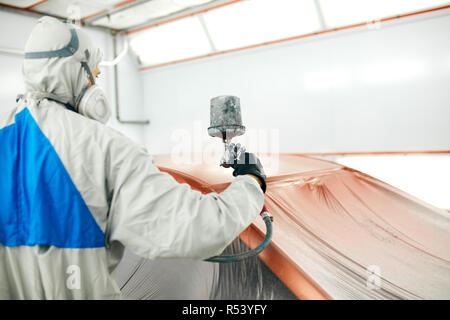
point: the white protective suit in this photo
(74, 192)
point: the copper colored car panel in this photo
(339, 233)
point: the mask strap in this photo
(88, 70)
(67, 51)
(85, 66)
(78, 99)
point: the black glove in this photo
(251, 165)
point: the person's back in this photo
(74, 192)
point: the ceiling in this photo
(162, 32)
(113, 14)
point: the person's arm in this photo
(156, 217)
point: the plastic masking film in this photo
(338, 234)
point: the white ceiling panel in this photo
(190, 3)
(75, 9)
(150, 10)
(257, 21)
(345, 12)
(181, 39)
(20, 3)
(106, 3)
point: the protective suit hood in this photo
(64, 75)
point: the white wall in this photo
(356, 90)
(14, 32)
(130, 95)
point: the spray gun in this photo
(226, 123)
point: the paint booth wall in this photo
(14, 31)
(367, 89)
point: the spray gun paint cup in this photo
(226, 123)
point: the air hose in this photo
(251, 253)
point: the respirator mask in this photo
(94, 104)
(92, 101)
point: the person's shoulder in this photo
(106, 134)
(80, 129)
(83, 122)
